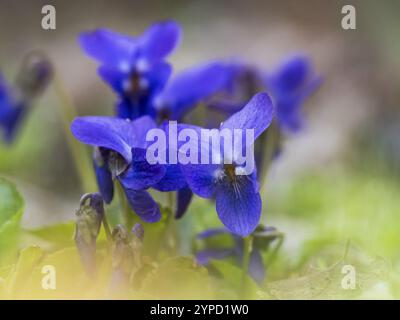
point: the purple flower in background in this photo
(290, 86)
(238, 202)
(231, 246)
(15, 100)
(136, 70)
(184, 91)
(121, 154)
(11, 111)
(133, 66)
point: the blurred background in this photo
(337, 180)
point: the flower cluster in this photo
(289, 86)
(148, 97)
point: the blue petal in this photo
(203, 257)
(201, 178)
(103, 177)
(11, 121)
(257, 114)
(256, 267)
(238, 205)
(114, 77)
(158, 77)
(113, 133)
(212, 232)
(291, 75)
(172, 180)
(159, 41)
(124, 109)
(12, 112)
(141, 174)
(190, 87)
(289, 114)
(143, 205)
(184, 197)
(140, 128)
(108, 47)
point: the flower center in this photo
(116, 164)
(229, 170)
(164, 114)
(135, 83)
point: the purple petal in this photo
(123, 109)
(203, 257)
(238, 205)
(201, 178)
(113, 133)
(11, 121)
(191, 86)
(143, 205)
(112, 76)
(257, 115)
(172, 180)
(108, 47)
(184, 197)
(140, 128)
(106, 132)
(212, 232)
(158, 76)
(289, 106)
(256, 267)
(141, 174)
(291, 75)
(103, 177)
(159, 41)
(310, 87)
(289, 114)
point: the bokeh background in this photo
(338, 180)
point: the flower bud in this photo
(126, 255)
(263, 236)
(34, 75)
(89, 218)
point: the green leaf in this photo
(233, 276)
(154, 234)
(326, 282)
(55, 236)
(59, 236)
(11, 208)
(21, 272)
(71, 280)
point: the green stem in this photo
(272, 254)
(107, 229)
(80, 156)
(247, 247)
(166, 239)
(127, 213)
(171, 201)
